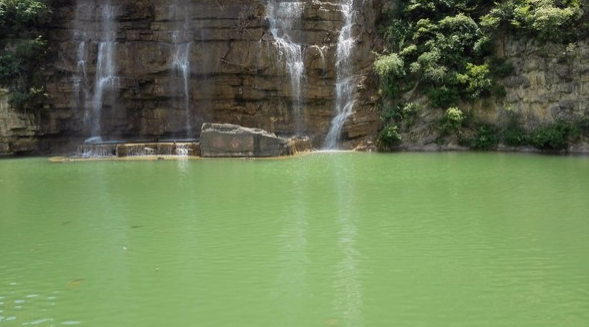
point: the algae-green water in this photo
(328, 239)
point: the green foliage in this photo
(513, 133)
(390, 70)
(485, 137)
(18, 17)
(389, 137)
(439, 47)
(451, 121)
(444, 49)
(546, 20)
(389, 65)
(443, 96)
(396, 118)
(400, 114)
(23, 50)
(554, 137)
(476, 80)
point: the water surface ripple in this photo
(329, 239)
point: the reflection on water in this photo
(329, 239)
(347, 283)
(291, 287)
(18, 308)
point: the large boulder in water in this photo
(227, 140)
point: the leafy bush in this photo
(21, 17)
(439, 47)
(387, 66)
(515, 136)
(390, 69)
(389, 137)
(23, 50)
(477, 80)
(451, 121)
(546, 20)
(444, 48)
(443, 96)
(486, 137)
(513, 133)
(554, 137)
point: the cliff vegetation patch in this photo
(442, 54)
(23, 50)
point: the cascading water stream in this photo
(284, 17)
(80, 77)
(346, 80)
(105, 68)
(182, 42)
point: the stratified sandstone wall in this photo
(549, 82)
(18, 130)
(236, 73)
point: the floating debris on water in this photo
(76, 282)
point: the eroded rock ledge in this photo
(228, 140)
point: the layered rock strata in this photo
(18, 130)
(236, 72)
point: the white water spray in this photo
(283, 17)
(346, 81)
(79, 79)
(105, 78)
(182, 42)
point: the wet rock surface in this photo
(227, 140)
(236, 74)
(18, 130)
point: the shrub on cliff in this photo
(545, 20)
(438, 48)
(444, 50)
(23, 49)
(555, 136)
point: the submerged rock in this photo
(227, 140)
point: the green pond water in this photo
(328, 239)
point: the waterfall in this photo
(91, 100)
(182, 40)
(283, 17)
(80, 77)
(107, 150)
(345, 87)
(105, 68)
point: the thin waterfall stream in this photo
(181, 43)
(284, 17)
(86, 96)
(105, 68)
(345, 87)
(80, 78)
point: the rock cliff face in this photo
(18, 130)
(550, 82)
(177, 64)
(171, 65)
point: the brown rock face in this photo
(17, 129)
(177, 64)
